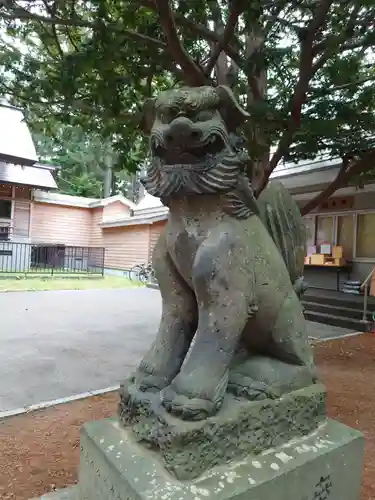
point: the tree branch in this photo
(221, 66)
(299, 96)
(283, 22)
(335, 88)
(167, 63)
(72, 42)
(349, 32)
(326, 46)
(366, 41)
(237, 7)
(210, 36)
(348, 170)
(198, 29)
(193, 74)
(45, 43)
(254, 43)
(24, 15)
(149, 83)
(54, 32)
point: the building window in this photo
(310, 231)
(354, 232)
(366, 236)
(324, 230)
(345, 234)
(5, 209)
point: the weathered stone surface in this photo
(226, 403)
(63, 494)
(241, 428)
(325, 465)
(229, 266)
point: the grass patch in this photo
(32, 283)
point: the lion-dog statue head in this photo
(192, 142)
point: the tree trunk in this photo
(221, 66)
(107, 182)
(258, 147)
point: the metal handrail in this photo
(365, 296)
(368, 277)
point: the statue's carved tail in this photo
(282, 217)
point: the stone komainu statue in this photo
(229, 266)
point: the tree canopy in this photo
(84, 160)
(303, 69)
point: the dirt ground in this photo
(40, 451)
(347, 367)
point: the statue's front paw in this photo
(140, 386)
(134, 404)
(192, 403)
(186, 407)
(148, 379)
(150, 382)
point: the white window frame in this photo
(334, 226)
(313, 217)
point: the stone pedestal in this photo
(281, 449)
(326, 464)
(240, 429)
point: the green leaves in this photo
(83, 158)
(91, 65)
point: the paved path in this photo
(325, 332)
(56, 344)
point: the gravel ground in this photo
(40, 451)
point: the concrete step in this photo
(336, 310)
(339, 299)
(330, 319)
(69, 493)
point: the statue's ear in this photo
(148, 116)
(230, 110)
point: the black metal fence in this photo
(31, 258)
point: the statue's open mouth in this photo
(189, 153)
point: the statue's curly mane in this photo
(163, 182)
(189, 99)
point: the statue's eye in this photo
(203, 116)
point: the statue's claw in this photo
(130, 395)
(188, 408)
(148, 382)
(137, 387)
(191, 402)
(248, 388)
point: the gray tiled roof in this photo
(27, 176)
(16, 143)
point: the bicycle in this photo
(134, 271)
(141, 272)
